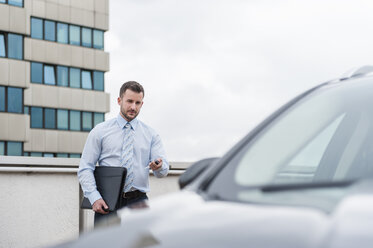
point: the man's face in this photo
(130, 104)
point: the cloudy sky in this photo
(213, 69)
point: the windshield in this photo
(325, 137)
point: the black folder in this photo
(109, 182)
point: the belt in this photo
(133, 194)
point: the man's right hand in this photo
(99, 206)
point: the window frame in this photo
(6, 92)
(5, 142)
(5, 35)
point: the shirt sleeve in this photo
(157, 151)
(87, 165)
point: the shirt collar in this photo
(122, 122)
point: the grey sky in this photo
(212, 69)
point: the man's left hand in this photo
(154, 166)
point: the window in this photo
(98, 80)
(36, 154)
(87, 121)
(2, 1)
(15, 100)
(67, 76)
(50, 118)
(74, 32)
(2, 98)
(62, 119)
(50, 30)
(86, 80)
(26, 110)
(14, 148)
(11, 99)
(36, 117)
(18, 3)
(36, 28)
(97, 118)
(36, 72)
(74, 155)
(98, 39)
(2, 45)
(49, 77)
(87, 37)
(74, 78)
(62, 76)
(48, 155)
(74, 120)
(62, 155)
(62, 34)
(15, 46)
(2, 148)
(66, 33)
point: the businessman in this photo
(127, 142)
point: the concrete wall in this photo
(40, 200)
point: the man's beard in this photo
(128, 117)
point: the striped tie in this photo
(127, 156)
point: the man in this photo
(123, 142)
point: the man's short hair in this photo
(132, 85)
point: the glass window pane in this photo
(62, 34)
(50, 30)
(15, 46)
(87, 37)
(98, 118)
(36, 154)
(2, 148)
(36, 117)
(2, 1)
(14, 148)
(98, 39)
(87, 121)
(74, 155)
(86, 80)
(2, 46)
(26, 110)
(62, 119)
(48, 155)
(2, 98)
(26, 154)
(36, 72)
(50, 118)
(62, 76)
(74, 32)
(15, 100)
(98, 80)
(36, 28)
(49, 76)
(62, 155)
(74, 120)
(74, 78)
(16, 2)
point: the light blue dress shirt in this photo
(104, 145)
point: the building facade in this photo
(52, 67)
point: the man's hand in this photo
(156, 164)
(99, 206)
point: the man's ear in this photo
(119, 100)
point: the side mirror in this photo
(194, 171)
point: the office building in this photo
(52, 67)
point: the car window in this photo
(324, 137)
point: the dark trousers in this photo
(111, 218)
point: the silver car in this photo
(302, 178)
